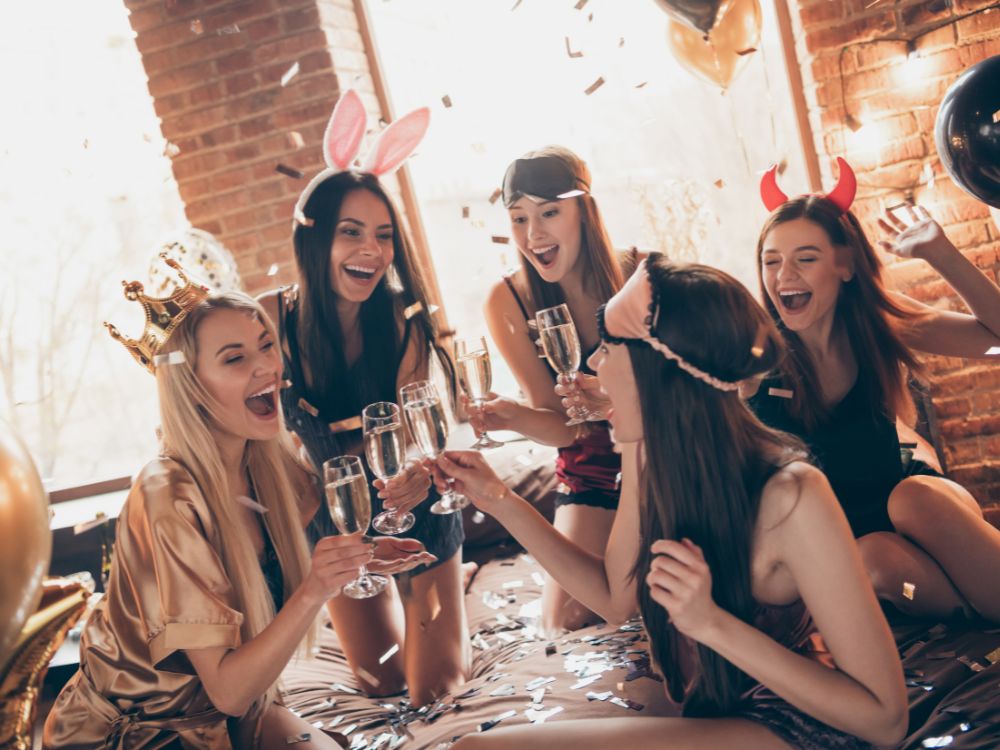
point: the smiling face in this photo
(239, 366)
(362, 247)
(548, 234)
(613, 366)
(802, 272)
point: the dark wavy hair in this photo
(335, 389)
(602, 272)
(707, 458)
(872, 319)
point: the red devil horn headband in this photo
(841, 196)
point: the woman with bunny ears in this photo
(355, 328)
(852, 344)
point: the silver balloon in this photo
(27, 542)
(202, 256)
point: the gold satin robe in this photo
(168, 591)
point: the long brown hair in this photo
(707, 458)
(279, 480)
(871, 318)
(602, 273)
(336, 389)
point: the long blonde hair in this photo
(278, 477)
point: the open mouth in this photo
(361, 273)
(546, 256)
(794, 301)
(262, 403)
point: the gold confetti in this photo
(389, 654)
(747, 51)
(495, 196)
(594, 86)
(413, 309)
(569, 50)
(197, 28)
(719, 183)
(289, 171)
(909, 590)
(446, 101)
(993, 656)
(500, 239)
(780, 392)
(580, 3)
(465, 212)
(295, 139)
(307, 407)
(757, 350)
(290, 74)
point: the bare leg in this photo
(590, 528)
(367, 629)
(278, 724)
(895, 564)
(437, 652)
(649, 734)
(943, 519)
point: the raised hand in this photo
(584, 391)
(405, 490)
(680, 581)
(920, 237)
(473, 477)
(496, 413)
(335, 563)
(396, 555)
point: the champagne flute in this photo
(351, 509)
(383, 436)
(429, 427)
(561, 345)
(475, 374)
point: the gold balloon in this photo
(718, 56)
(27, 542)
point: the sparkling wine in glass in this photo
(561, 345)
(429, 427)
(351, 509)
(385, 450)
(475, 374)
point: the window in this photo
(675, 161)
(87, 194)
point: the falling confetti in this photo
(642, 85)
(757, 350)
(295, 139)
(747, 51)
(413, 309)
(909, 590)
(171, 149)
(594, 86)
(389, 654)
(500, 239)
(227, 30)
(273, 270)
(495, 196)
(197, 28)
(719, 183)
(434, 601)
(580, 3)
(446, 101)
(290, 74)
(621, 42)
(465, 212)
(517, 3)
(780, 392)
(993, 351)
(569, 50)
(289, 171)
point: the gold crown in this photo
(163, 315)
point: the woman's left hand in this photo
(396, 555)
(407, 489)
(680, 581)
(922, 237)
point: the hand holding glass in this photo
(429, 427)
(351, 509)
(561, 345)
(475, 374)
(385, 450)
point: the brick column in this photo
(848, 75)
(215, 74)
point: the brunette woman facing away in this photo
(355, 329)
(751, 588)
(566, 257)
(212, 589)
(852, 343)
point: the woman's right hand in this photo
(335, 563)
(584, 391)
(496, 413)
(473, 477)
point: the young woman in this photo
(355, 329)
(853, 343)
(566, 257)
(751, 588)
(212, 589)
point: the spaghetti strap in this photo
(517, 297)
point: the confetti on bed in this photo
(594, 86)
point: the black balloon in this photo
(967, 135)
(700, 15)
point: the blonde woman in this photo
(212, 589)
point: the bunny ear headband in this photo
(342, 142)
(841, 196)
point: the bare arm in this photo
(235, 678)
(603, 584)
(943, 332)
(864, 693)
(542, 417)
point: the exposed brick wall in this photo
(215, 71)
(871, 79)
